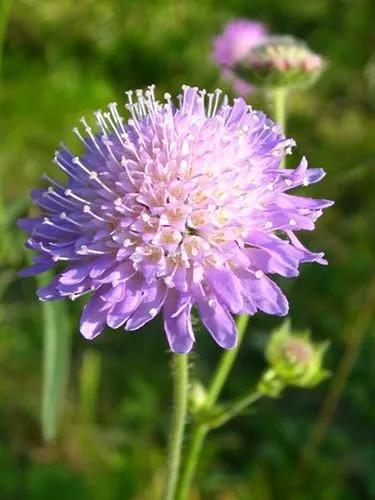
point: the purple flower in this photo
(232, 47)
(178, 207)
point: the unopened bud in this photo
(281, 61)
(270, 384)
(197, 397)
(295, 358)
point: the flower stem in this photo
(279, 110)
(197, 438)
(200, 429)
(279, 102)
(225, 365)
(180, 375)
(236, 408)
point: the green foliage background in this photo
(62, 59)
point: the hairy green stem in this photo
(180, 375)
(197, 438)
(279, 102)
(225, 365)
(236, 408)
(200, 429)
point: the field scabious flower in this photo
(233, 45)
(181, 206)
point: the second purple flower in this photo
(232, 47)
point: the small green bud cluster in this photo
(294, 360)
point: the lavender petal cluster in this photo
(182, 205)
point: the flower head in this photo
(183, 205)
(232, 47)
(280, 61)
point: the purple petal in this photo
(238, 111)
(266, 295)
(288, 201)
(177, 327)
(219, 323)
(147, 310)
(306, 255)
(101, 265)
(122, 272)
(50, 291)
(249, 306)
(75, 274)
(28, 223)
(226, 287)
(272, 262)
(36, 268)
(114, 293)
(121, 311)
(94, 317)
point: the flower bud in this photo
(294, 358)
(270, 384)
(281, 61)
(197, 397)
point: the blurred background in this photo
(61, 60)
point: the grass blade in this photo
(56, 361)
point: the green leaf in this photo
(56, 361)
